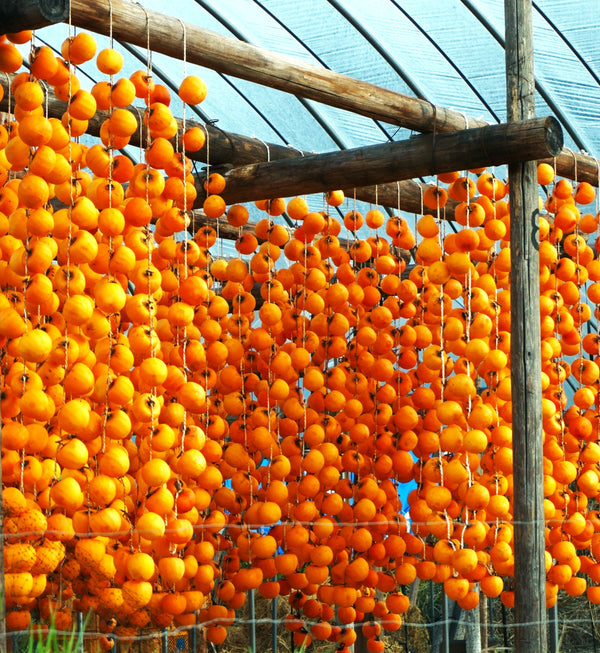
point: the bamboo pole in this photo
(528, 513)
(419, 156)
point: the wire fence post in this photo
(252, 619)
(274, 625)
(445, 623)
(553, 627)
(164, 641)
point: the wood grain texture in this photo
(246, 61)
(232, 57)
(419, 156)
(528, 513)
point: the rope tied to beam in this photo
(293, 147)
(148, 50)
(267, 148)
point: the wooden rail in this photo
(360, 167)
(134, 24)
(422, 155)
(18, 15)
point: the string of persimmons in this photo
(179, 428)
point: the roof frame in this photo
(135, 24)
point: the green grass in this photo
(53, 641)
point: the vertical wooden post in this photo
(445, 623)
(528, 514)
(484, 619)
(360, 644)
(554, 638)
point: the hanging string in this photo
(145, 144)
(597, 311)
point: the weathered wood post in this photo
(528, 514)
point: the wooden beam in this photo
(19, 15)
(528, 513)
(227, 148)
(419, 156)
(246, 61)
(573, 165)
(230, 56)
(132, 23)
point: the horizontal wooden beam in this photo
(19, 15)
(134, 24)
(231, 149)
(573, 165)
(225, 147)
(423, 155)
(246, 61)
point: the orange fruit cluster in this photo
(179, 428)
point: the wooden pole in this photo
(229, 149)
(419, 156)
(252, 620)
(18, 15)
(225, 147)
(528, 514)
(132, 23)
(230, 56)
(573, 165)
(274, 638)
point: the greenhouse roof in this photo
(449, 53)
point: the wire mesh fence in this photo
(432, 624)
